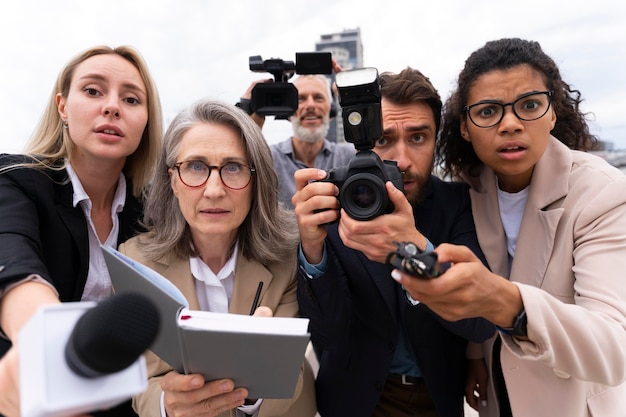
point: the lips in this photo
(214, 211)
(512, 149)
(109, 130)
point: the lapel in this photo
(549, 185)
(247, 276)
(541, 216)
(489, 229)
(179, 273)
(380, 274)
(75, 223)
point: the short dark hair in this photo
(411, 86)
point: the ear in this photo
(553, 119)
(60, 101)
(464, 132)
(173, 183)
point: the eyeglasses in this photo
(196, 173)
(527, 107)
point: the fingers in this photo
(263, 311)
(9, 383)
(248, 93)
(315, 205)
(190, 395)
(336, 67)
(398, 198)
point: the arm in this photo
(16, 307)
(321, 298)
(558, 331)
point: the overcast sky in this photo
(200, 48)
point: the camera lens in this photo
(363, 196)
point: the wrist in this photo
(245, 105)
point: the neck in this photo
(214, 250)
(99, 181)
(305, 151)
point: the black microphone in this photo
(112, 335)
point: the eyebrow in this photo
(411, 128)
(225, 160)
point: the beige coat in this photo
(570, 267)
(279, 293)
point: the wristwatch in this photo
(520, 325)
(244, 104)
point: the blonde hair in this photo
(50, 142)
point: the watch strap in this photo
(520, 325)
(245, 105)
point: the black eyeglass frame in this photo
(177, 166)
(549, 93)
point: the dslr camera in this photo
(361, 183)
(280, 98)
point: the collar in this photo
(203, 273)
(81, 195)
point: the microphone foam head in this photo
(112, 335)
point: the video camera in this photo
(361, 183)
(280, 98)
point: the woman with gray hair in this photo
(216, 229)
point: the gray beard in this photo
(307, 135)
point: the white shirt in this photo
(214, 292)
(98, 285)
(511, 212)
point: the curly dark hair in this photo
(456, 155)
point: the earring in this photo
(65, 124)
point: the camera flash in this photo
(355, 118)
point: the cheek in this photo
(138, 124)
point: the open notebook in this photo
(263, 354)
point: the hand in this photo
(375, 237)
(189, 395)
(467, 289)
(9, 383)
(258, 119)
(248, 94)
(476, 383)
(315, 204)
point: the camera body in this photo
(280, 98)
(361, 183)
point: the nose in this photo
(214, 187)
(111, 107)
(309, 102)
(400, 155)
(510, 122)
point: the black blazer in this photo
(354, 311)
(42, 233)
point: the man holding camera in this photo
(308, 147)
(382, 353)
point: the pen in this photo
(256, 298)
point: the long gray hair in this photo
(268, 231)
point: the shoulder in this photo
(448, 190)
(284, 147)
